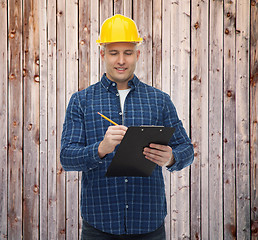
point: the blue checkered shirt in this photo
(119, 205)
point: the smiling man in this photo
(121, 207)
(120, 61)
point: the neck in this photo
(122, 86)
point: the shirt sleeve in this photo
(75, 155)
(180, 143)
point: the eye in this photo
(113, 53)
(128, 53)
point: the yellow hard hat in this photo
(118, 29)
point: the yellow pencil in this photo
(107, 118)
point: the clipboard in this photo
(129, 159)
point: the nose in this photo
(121, 59)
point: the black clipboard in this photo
(129, 159)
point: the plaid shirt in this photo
(119, 205)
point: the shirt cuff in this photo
(94, 156)
(174, 167)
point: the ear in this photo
(102, 53)
(138, 54)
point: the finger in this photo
(157, 156)
(163, 154)
(155, 152)
(158, 161)
(116, 138)
(118, 127)
(115, 132)
(163, 148)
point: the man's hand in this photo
(159, 154)
(112, 138)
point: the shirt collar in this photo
(112, 86)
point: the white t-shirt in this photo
(123, 94)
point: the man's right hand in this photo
(112, 138)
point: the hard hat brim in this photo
(105, 42)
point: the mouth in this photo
(120, 69)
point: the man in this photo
(121, 207)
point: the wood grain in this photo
(3, 119)
(202, 53)
(229, 119)
(215, 120)
(31, 120)
(199, 119)
(254, 117)
(72, 83)
(60, 115)
(242, 120)
(15, 129)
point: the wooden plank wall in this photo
(203, 53)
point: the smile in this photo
(120, 69)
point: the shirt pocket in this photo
(145, 114)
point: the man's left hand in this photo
(159, 154)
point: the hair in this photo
(103, 47)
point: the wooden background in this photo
(203, 53)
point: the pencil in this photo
(107, 119)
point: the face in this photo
(120, 60)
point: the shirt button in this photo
(126, 180)
(120, 113)
(113, 84)
(126, 206)
(117, 94)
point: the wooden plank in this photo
(84, 43)
(128, 8)
(199, 119)
(166, 50)
(156, 44)
(31, 120)
(72, 187)
(119, 7)
(3, 119)
(94, 53)
(180, 81)
(242, 120)
(51, 120)
(254, 116)
(105, 11)
(123, 7)
(174, 29)
(60, 114)
(84, 58)
(215, 120)
(165, 86)
(174, 75)
(43, 56)
(15, 121)
(142, 14)
(229, 119)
